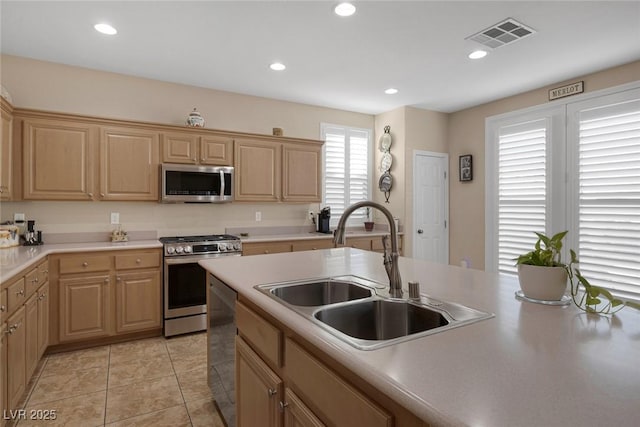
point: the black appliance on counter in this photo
(323, 220)
(185, 281)
(32, 237)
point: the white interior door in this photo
(430, 206)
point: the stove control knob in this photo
(179, 249)
(222, 247)
(236, 246)
(187, 249)
(171, 250)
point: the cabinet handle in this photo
(202, 160)
(272, 392)
(1, 190)
(283, 405)
(85, 264)
(138, 261)
(11, 330)
(266, 251)
(20, 292)
(3, 308)
(35, 280)
(106, 280)
(119, 279)
(90, 195)
(102, 195)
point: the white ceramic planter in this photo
(543, 283)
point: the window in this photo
(572, 166)
(347, 165)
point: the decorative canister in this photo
(9, 236)
(195, 119)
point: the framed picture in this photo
(466, 167)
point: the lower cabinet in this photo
(365, 243)
(84, 307)
(16, 340)
(43, 319)
(294, 390)
(138, 301)
(3, 371)
(31, 335)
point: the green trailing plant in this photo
(587, 297)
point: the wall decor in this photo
(195, 119)
(386, 181)
(466, 167)
(566, 90)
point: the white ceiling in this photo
(418, 47)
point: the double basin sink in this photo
(360, 312)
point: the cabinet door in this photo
(3, 371)
(84, 307)
(216, 150)
(31, 336)
(258, 390)
(297, 414)
(58, 160)
(43, 319)
(15, 358)
(129, 162)
(180, 148)
(301, 173)
(257, 170)
(138, 301)
(6, 163)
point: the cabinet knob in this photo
(90, 195)
(85, 264)
(106, 280)
(1, 190)
(266, 251)
(272, 392)
(20, 292)
(3, 308)
(283, 405)
(11, 330)
(119, 279)
(138, 261)
(35, 280)
(102, 195)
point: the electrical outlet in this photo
(115, 218)
(258, 216)
(311, 214)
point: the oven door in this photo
(185, 285)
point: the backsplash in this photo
(166, 219)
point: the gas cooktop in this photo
(196, 239)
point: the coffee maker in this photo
(31, 236)
(323, 220)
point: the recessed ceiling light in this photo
(105, 29)
(477, 54)
(345, 9)
(277, 66)
(391, 91)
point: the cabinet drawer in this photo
(359, 243)
(376, 244)
(31, 282)
(15, 295)
(312, 245)
(138, 260)
(82, 264)
(3, 305)
(265, 338)
(265, 248)
(334, 400)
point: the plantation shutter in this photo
(346, 165)
(522, 189)
(609, 192)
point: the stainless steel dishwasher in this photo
(221, 335)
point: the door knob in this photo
(420, 231)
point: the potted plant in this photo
(541, 272)
(540, 278)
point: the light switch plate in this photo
(18, 217)
(258, 216)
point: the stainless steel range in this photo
(185, 282)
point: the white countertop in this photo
(13, 260)
(530, 365)
(312, 235)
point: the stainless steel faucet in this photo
(390, 255)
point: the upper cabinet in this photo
(192, 148)
(58, 160)
(6, 152)
(269, 171)
(129, 162)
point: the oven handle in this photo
(195, 258)
(221, 183)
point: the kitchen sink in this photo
(320, 293)
(361, 313)
(381, 319)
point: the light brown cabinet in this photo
(16, 361)
(85, 307)
(31, 336)
(43, 319)
(58, 160)
(259, 391)
(6, 152)
(107, 293)
(296, 413)
(311, 245)
(270, 171)
(258, 248)
(364, 243)
(193, 148)
(3, 371)
(129, 162)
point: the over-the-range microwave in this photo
(196, 184)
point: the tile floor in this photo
(153, 382)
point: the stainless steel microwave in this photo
(196, 184)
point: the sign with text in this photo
(566, 90)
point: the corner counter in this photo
(530, 365)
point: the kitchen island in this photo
(530, 365)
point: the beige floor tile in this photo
(72, 383)
(176, 416)
(82, 359)
(187, 344)
(203, 413)
(137, 370)
(79, 411)
(135, 350)
(194, 384)
(142, 397)
(188, 361)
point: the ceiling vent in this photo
(505, 32)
